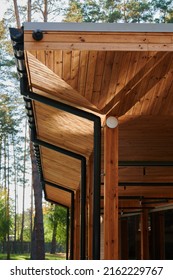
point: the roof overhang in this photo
(123, 70)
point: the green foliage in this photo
(2, 30)
(54, 8)
(113, 11)
(138, 11)
(55, 214)
(74, 12)
(7, 122)
(27, 226)
(163, 9)
(4, 216)
(92, 11)
(27, 257)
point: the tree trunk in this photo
(15, 193)
(8, 200)
(29, 10)
(16, 10)
(37, 249)
(24, 186)
(31, 216)
(0, 159)
(53, 244)
(45, 11)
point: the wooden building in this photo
(100, 103)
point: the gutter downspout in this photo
(71, 220)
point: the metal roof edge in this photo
(99, 27)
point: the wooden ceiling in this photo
(126, 74)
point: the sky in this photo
(4, 6)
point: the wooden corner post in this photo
(111, 250)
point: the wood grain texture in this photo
(64, 129)
(58, 195)
(60, 169)
(126, 41)
(42, 78)
(111, 193)
(126, 74)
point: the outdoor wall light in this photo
(112, 122)
(37, 35)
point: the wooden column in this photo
(77, 226)
(110, 193)
(144, 235)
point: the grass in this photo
(59, 256)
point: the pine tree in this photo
(163, 8)
(138, 11)
(74, 12)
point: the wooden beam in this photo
(123, 100)
(111, 193)
(104, 41)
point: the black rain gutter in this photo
(96, 157)
(67, 233)
(18, 46)
(83, 186)
(71, 220)
(38, 143)
(18, 50)
(39, 165)
(97, 161)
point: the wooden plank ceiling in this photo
(128, 75)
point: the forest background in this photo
(27, 222)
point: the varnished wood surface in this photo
(128, 75)
(115, 82)
(64, 129)
(146, 138)
(60, 169)
(111, 241)
(58, 195)
(101, 41)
